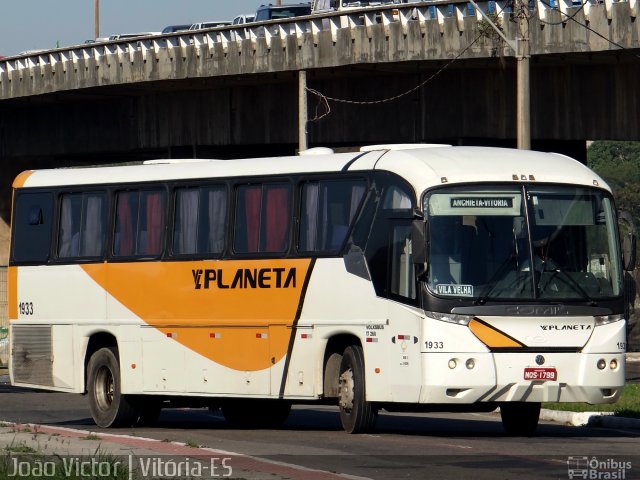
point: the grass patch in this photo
(19, 448)
(91, 436)
(192, 444)
(628, 405)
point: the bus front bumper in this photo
(457, 378)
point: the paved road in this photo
(442, 446)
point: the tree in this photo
(619, 164)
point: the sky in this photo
(41, 24)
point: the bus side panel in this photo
(340, 303)
(163, 363)
(403, 341)
(53, 299)
(64, 362)
(302, 378)
(228, 322)
(60, 294)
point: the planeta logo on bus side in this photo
(244, 278)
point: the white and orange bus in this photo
(397, 278)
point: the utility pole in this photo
(303, 114)
(96, 18)
(521, 46)
(523, 55)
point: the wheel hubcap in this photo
(345, 390)
(104, 388)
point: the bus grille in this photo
(31, 355)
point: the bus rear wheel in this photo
(520, 419)
(356, 413)
(109, 407)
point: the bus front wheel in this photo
(520, 419)
(356, 413)
(109, 407)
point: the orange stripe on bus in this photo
(235, 298)
(21, 179)
(491, 337)
(12, 292)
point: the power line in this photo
(325, 99)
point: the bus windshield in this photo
(534, 243)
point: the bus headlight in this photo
(606, 319)
(450, 317)
(602, 363)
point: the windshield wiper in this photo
(493, 281)
(568, 279)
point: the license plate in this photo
(540, 374)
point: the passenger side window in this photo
(402, 275)
(140, 222)
(32, 225)
(200, 220)
(83, 218)
(263, 217)
(403, 280)
(327, 210)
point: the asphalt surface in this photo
(311, 445)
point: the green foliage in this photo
(619, 164)
(486, 30)
(628, 405)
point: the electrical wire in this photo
(584, 25)
(569, 17)
(325, 99)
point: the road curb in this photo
(65, 441)
(589, 419)
(633, 357)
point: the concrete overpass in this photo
(229, 92)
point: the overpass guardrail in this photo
(429, 15)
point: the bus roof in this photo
(421, 167)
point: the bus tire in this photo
(356, 413)
(109, 407)
(520, 419)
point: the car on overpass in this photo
(126, 36)
(278, 12)
(176, 28)
(209, 24)
(243, 19)
(326, 6)
(319, 7)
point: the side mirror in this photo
(419, 238)
(629, 252)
